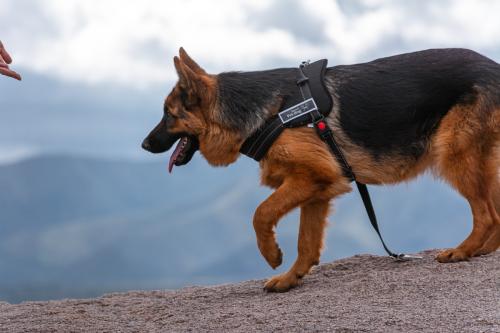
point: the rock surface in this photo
(359, 294)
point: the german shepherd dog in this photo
(393, 118)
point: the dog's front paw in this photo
(272, 254)
(452, 255)
(282, 283)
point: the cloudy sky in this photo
(132, 42)
(94, 52)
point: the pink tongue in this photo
(174, 155)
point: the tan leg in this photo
(475, 185)
(481, 230)
(312, 226)
(472, 177)
(464, 149)
(493, 241)
(496, 196)
(292, 193)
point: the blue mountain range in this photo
(77, 227)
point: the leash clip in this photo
(405, 257)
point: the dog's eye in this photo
(167, 114)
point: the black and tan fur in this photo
(394, 118)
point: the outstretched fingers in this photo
(5, 60)
(10, 73)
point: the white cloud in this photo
(473, 23)
(132, 42)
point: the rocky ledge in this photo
(363, 293)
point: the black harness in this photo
(311, 104)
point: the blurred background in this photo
(83, 210)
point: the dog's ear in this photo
(199, 87)
(186, 59)
(187, 77)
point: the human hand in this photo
(5, 60)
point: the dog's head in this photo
(190, 117)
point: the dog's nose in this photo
(145, 144)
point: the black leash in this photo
(367, 201)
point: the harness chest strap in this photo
(307, 112)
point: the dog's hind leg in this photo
(496, 189)
(493, 241)
(312, 226)
(464, 150)
(472, 183)
(496, 196)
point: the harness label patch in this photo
(297, 110)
